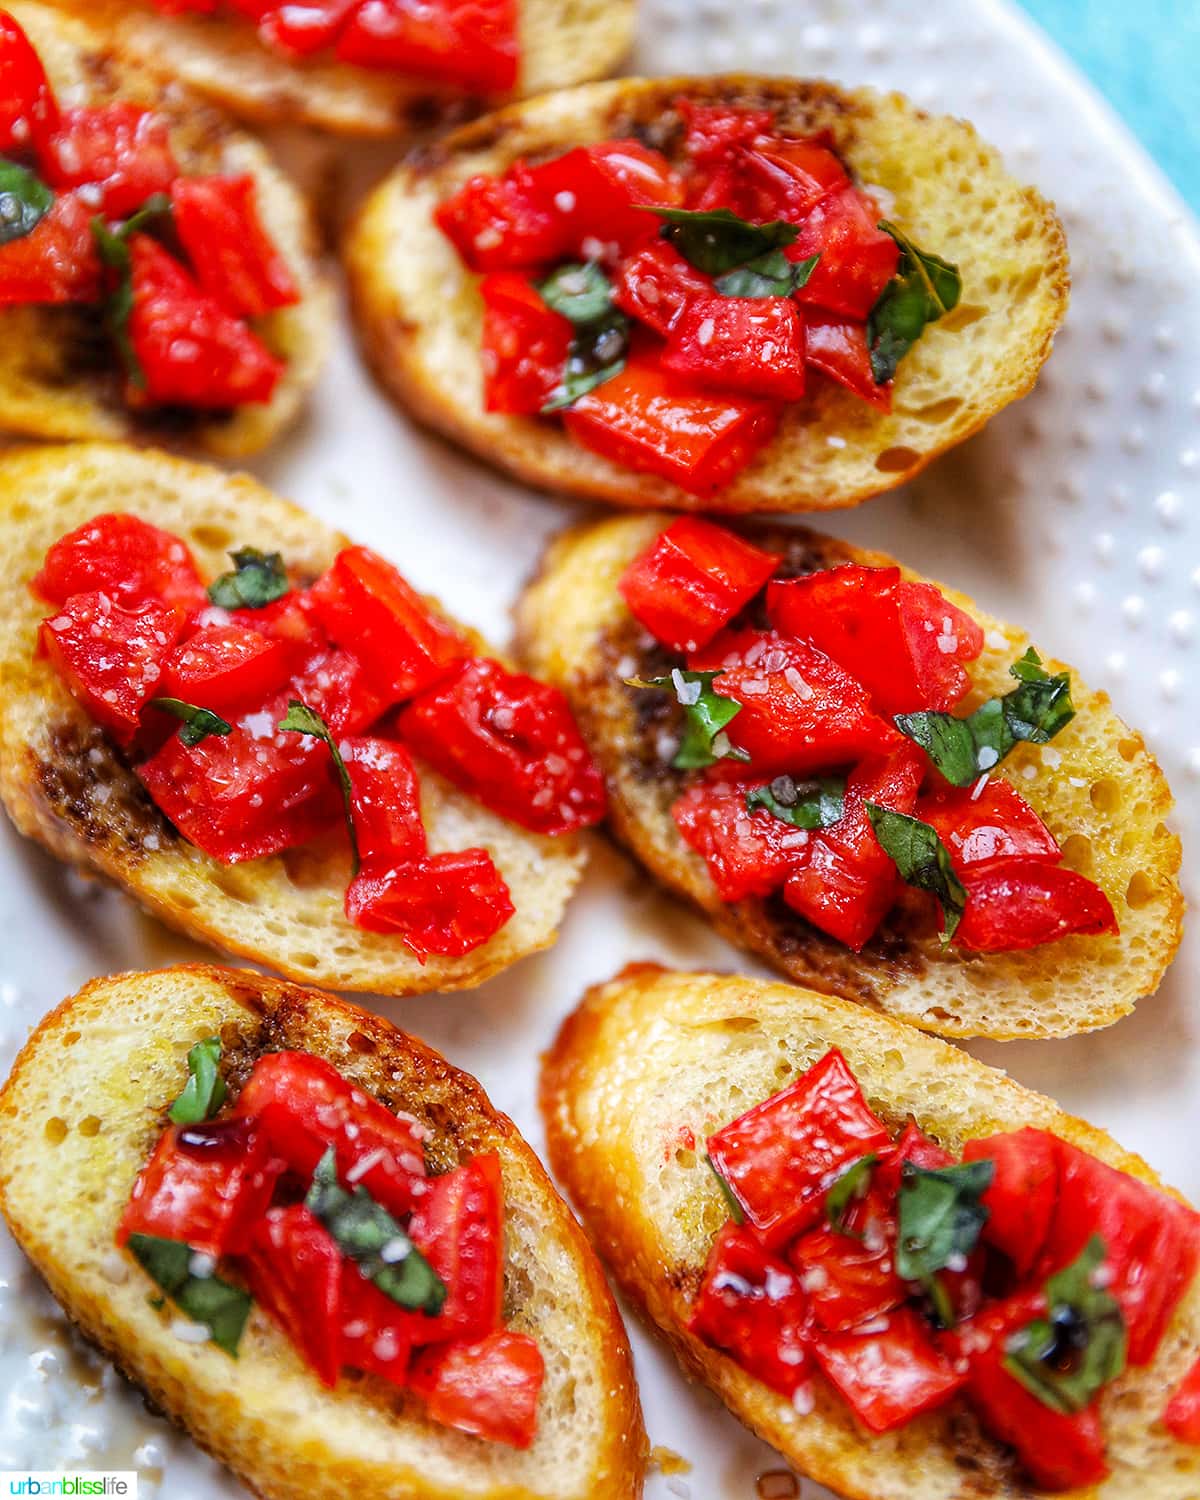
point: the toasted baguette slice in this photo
(1098, 787)
(672, 1057)
(86, 1102)
(64, 783)
(419, 311)
(562, 42)
(56, 381)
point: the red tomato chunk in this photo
(888, 1374)
(446, 904)
(525, 345)
(120, 154)
(57, 263)
(294, 1269)
(126, 558)
(1021, 903)
(747, 853)
(28, 111)
(750, 344)
(489, 1388)
(227, 667)
(1183, 1410)
(234, 258)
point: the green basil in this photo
(204, 1092)
(367, 1234)
(582, 293)
(924, 288)
(921, 858)
(736, 1212)
(850, 1188)
(113, 248)
(198, 723)
(940, 1220)
(815, 803)
(221, 1308)
(770, 275)
(706, 715)
(716, 240)
(25, 200)
(1066, 1358)
(256, 580)
(300, 719)
(964, 749)
(579, 291)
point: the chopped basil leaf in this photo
(706, 716)
(580, 291)
(257, 579)
(198, 723)
(921, 858)
(940, 1219)
(770, 275)
(847, 1190)
(717, 240)
(815, 803)
(963, 749)
(113, 248)
(300, 719)
(735, 1208)
(204, 1092)
(220, 1307)
(367, 1234)
(924, 288)
(25, 200)
(583, 374)
(1067, 1357)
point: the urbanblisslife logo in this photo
(122, 1484)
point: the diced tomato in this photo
(779, 1157)
(655, 285)
(838, 348)
(120, 152)
(294, 1270)
(448, 904)
(290, 618)
(386, 799)
(28, 112)
(458, 1226)
(857, 259)
(604, 191)
(1020, 903)
(994, 823)
(801, 713)
(691, 580)
(227, 667)
(303, 1105)
(111, 658)
(489, 1388)
(1022, 1197)
(470, 44)
(716, 131)
(206, 1185)
(890, 1374)
(234, 258)
(525, 345)
(504, 223)
(374, 1329)
(190, 350)
(751, 1305)
(57, 263)
(126, 558)
(747, 853)
(848, 1280)
(1183, 1410)
(298, 29)
(913, 1146)
(749, 344)
(509, 741)
(787, 180)
(369, 608)
(336, 685)
(904, 642)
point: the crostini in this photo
(158, 274)
(315, 1245)
(267, 737)
(861, 776)
(368, 67)
(729, 294)
(905, 1271)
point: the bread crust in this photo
(63, 783)
(54, 382)
(81, 1111)
(1098, 788)
(672, 1056)
(419, 313)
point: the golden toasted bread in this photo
(1097, 787)
(59, 377)
(65, 784)
(419, 310)
(80, 1114)
(674, 1056)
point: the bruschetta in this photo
(731, 294)
(863, 777)
(908, 1273)
(368, 67)
(183, 712)
(158, 273)
(197, 1161)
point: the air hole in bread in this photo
(1140, 891)
(938, 411)
(184, 899)
(1105, 795)
(212, 536)
(963, 316)
(89, 1126)
(357, 1042)
(56, 1130)
(233, 885)
(307, 960)
(71, 1038)
(1077, 852)
(685, 1158)
(896, 460)
(1128, 748)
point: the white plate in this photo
(1077, 513)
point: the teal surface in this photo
(1144, 56)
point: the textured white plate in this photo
(1077, 512)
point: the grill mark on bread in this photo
(85, 784)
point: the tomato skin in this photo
(28, 110)
(206, 1185)
(847, 1280)
(747, 853)
(489, 1388)
(121, 152)
(126, 558)
(386, 799)
(656, 285)
(750, 1304)
(716, 131)
(227, 667)
(788, 180)
(458, 1225)
(1182, 1415)
(888, 1376)
(1013, 904)
(1021, 1200)
(337, 686)
(753, 345)
(504, 223)
(57, 263)
(996, 823)
(374, 1329)
(525, 345)
(234, 258)
(604, 191)
(298, 30)
(448, 904)
(471, 44)
(509, 741)
(779, 1157)
(294, 1270)
(857, 259)
(837, 346)
(691, 581)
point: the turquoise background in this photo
(1144, 56)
